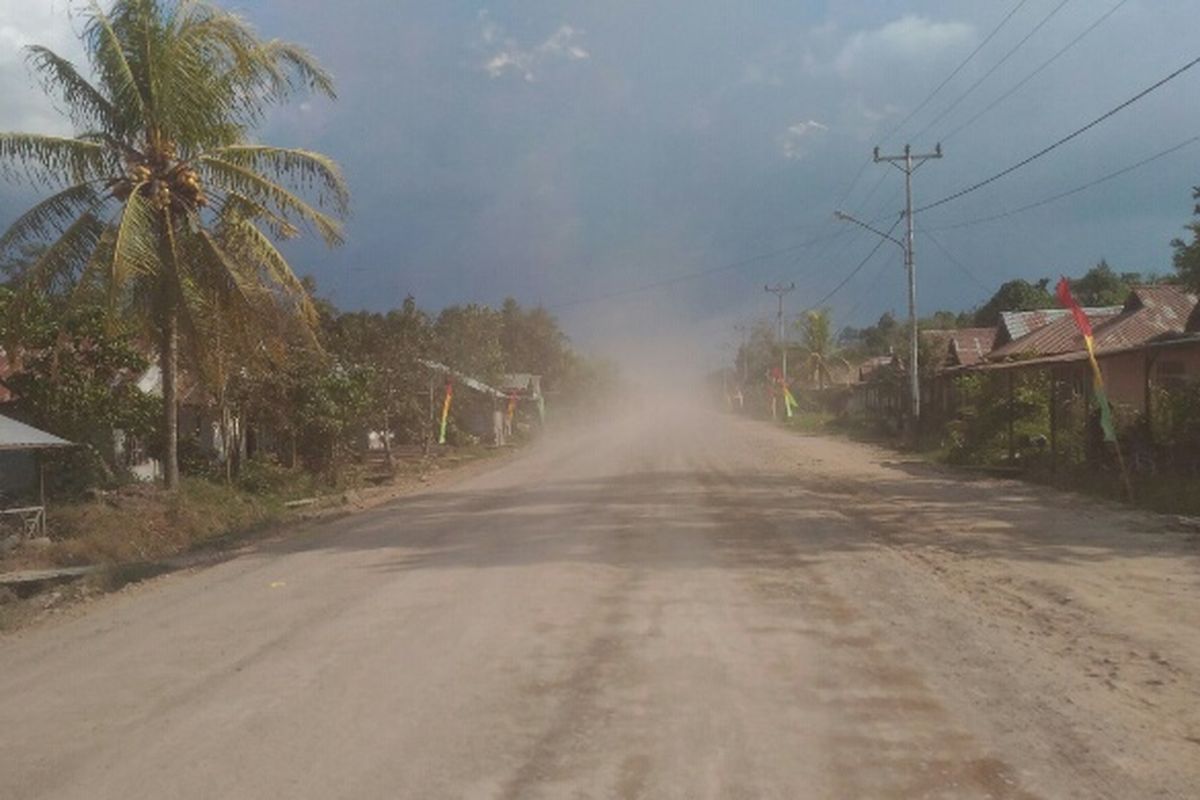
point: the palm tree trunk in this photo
(169, 364)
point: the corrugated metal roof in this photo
(1060, 336)
(1015, 324)
(1150, 311)
(867, 367)
(466, 380)
(970, 345)
(19, 436)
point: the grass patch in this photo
(138, 524)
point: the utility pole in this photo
(908, 164)
(779, 290)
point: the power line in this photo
(991, 71)
(950, 257)
(1074, 134)
(853, 272)
(1033, 74)
(955, 71)
(862, 169)
(862, 298)
(1069, 192)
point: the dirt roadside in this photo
(24, 606)
(1066, 628)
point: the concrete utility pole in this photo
(779, 290)
(908, 164)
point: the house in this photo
(473, 411)
(1056, 336)
(872, 365)
(22, 483)
(524, 384)
(1146, 342)
(199, 422)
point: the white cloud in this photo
(794, 138)
(562, 44)
(910, 38)
(25, 106)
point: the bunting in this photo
(446, 412)
(1066, 300)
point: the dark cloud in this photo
(556, 151)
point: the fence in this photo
(1043, 416)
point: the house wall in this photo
(1125, 374)
(1173, 364)
(1125, 379)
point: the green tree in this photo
(885, 336)
(759, 354)
(1102, 286)
(1187, 254)
(816, 337)
(76, 374)
(161, 201)
(386, 347)
(468, 339)
(1014, 295)
(532, 341)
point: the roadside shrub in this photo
(266, 476)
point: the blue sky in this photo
(560, 152)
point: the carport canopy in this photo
(16, 435)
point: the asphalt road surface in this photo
(702, 607)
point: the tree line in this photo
(79, 373)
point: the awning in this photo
(19, 436)
(466, 380)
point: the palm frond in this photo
(51, 217)
(236, 206)
(301, 65)
(245, 181)
(85, 105)
(226, 277)
(111, 61)
(310, 171)
(137, 246)
(244, 242)
(52, 160)
(56, 270)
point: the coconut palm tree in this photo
(160, 200)
(817, 337)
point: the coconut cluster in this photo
(167, 183)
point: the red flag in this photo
(1067, 301)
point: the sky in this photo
(572, 153)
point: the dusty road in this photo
(703, 609)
